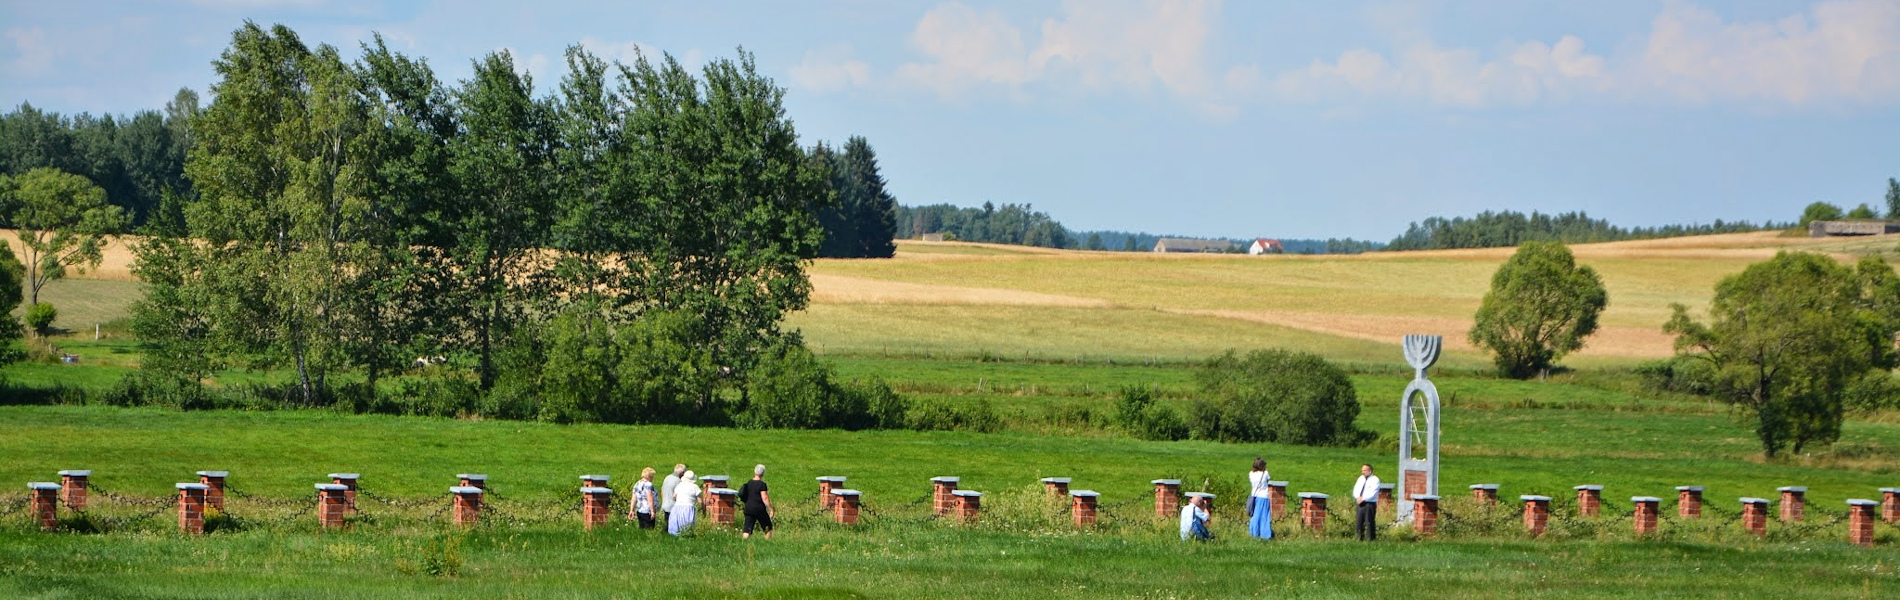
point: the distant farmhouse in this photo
(1187, 245)
(933, 237)
(1843, 228)
(1265, 246)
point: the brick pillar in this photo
(707, 484)
(468, 505)
(599, 481)
(721, 505)
(474, 480)
(1056, 486)
(941, 501)
(348, 481)
(1167, 498)
(1890, 505)
(191, 508)
(1689, 501)
(1794, 500)
(333, 501)
(1386, 505)
(1860, 522)
(1589, 500)
(1276, 497)
(595, 508)
(969, 504)
(1536, 514)
(1647, 509)
(45, 504)
(1485, 493)
(1755, 516)
(214, 487)
(1425, 514)
(72, 488)
(825, 486)
(1313, 511)
(845, 506)
(1082, 507)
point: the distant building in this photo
(933, 237)
(1188, 245)
(1265, 246)
(1841, 228)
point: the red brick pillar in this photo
(969, 504)
(1276, 497)
(191, 508)
(1485, 493)
(72, 488)
(333, 501)
(826, 485)
(1313, 511)
(941, 501)
(721, 505)
(1082, 507)
(1689, 501)
(214, 487)
(45, 504)
(1794, 500)
(1860, 522)
(1589, 500)
(1425, 514)
(1755, 516)
(599, 481)
(1647, 510)
(595, 506)
(1056, 486)
(1386, 505)
(707, 484)
(845, 506)
(348, 481)
(468, 505)
(1536, 514)
(1890, 505)
(474, 480)
(1167, 498)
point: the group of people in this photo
(678, 499)
(1365, 496)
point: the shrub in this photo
(791, 389)
(1276, 396)
(936, 415)
(1137, 413)
(40, 317)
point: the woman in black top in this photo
(758, 504)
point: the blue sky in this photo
(1270, 118)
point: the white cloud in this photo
(829, 69)
(1845, 51)
(34, 54)
(967, 49)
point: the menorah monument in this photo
(1418, 426)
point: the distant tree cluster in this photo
(863, 221)
(1018, 224)
(1823, 211)
(1508, 228)
(138, 161)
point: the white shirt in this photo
(686, 495)
(1367, 489)
(1259, 479)
(1189, 514)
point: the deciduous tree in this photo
(63, 220)
(1541, 306)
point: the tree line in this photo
(1823, 211)
(137, 161)
(1509, 228)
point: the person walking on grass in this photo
(1260, 502)
(685, 505)
(1194, 519)
(667, 489)
(640, 506)
(1365, 497)
(758, 504)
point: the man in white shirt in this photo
(1194, 519)
(1365, 497)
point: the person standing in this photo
(1365, 496)
(1260, 503)
(758, 504)
(668, 487)
(685, 505)
(1194, 519)
(641, 505)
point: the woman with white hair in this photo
(758, 504)
(685, 505)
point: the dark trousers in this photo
(646, 520)
(1365, 521)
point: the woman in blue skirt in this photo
(1260, 502)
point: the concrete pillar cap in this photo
(1689, 488)
(1388, 486)
(946, 479)
(1645, 499)
(1862, 502)
(1312, 495)
(1166, 482)
(1200, 495)
(1593, 488)
(464, 489)
(1793, 488)
(1890, 490)
(345, 476)
(1083, 493)
(1484, 486)
(42, 485)
(1057, 480)
(725, 492)
(76, 473)
(472, 476)
(967, 493)
(846, 493)
(609, 477)
(329, 487)
(1276, 484)
(718, 478)
(218, 474)
(1754, 501)
(596, 490)
(193, 486)
(1529, 498)
(1424, 497)
(832, 478)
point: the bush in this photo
(148, 388)
(40, 317)
(1137, 413)
(936, 415)
(437, 395)
(791, 389)
(1873, 392)
(1276, 396)
(1680, 374)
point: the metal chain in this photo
(124, 499)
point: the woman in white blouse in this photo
(685, 505)
(1260, 502)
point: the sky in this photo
(1269, 118)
